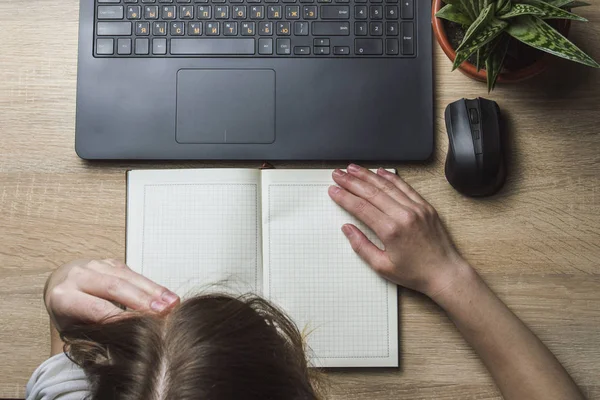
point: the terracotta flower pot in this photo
(471, 70)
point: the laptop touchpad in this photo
(225, 106)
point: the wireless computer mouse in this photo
(475, 160)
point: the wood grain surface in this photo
(537, 243)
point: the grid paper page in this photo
(189, 229)
(311, 271)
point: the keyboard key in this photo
(151, 12)
(391, 46)
(288, 1)
(248, 28)
(212, 28)
(130, 1)
(183, 1)
(239, 12)
(169, 12)
(109, 1)
(159, 46)
(321, 42)
(143, 1)
(376, 12)
(391, 28)
(265, 28)
(330, 28)
(110, 12)
(124, 46)
(200, 1)
(335, 12)
(204, 12)
(159, 29)
(230, 28)
(341, 50)
(376, 1)
(186, 12)
(142, 46)
(376, 28)
(408, 45)
(266, 1)
(360, 12)
(274, 12)
(391, 12)
(257, 12)
(360, 28)
(391, 1)
(292, 12)
(134, 12)
(195, 29)
(284, 47)
(302, 50)
(165, 1)
(321, 51)
(307, 1)
(407, 9)
(360, 1)
(309, 12)
(283, 29)
(301, 28)
(213, 46)
(265, 46)
(323, 1)
(142, 28)
(105, 47)
(221, 12)
(366, 47)
(177, 28)
(218, 1)
(113, 29)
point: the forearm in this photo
(519, 362)
(56, 343)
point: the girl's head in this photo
(210, 347)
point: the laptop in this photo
(255, 80)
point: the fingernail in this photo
(333, 189)
(347, 231)
(158, 306)
(169, 297)
(353, 168)
(338, 172)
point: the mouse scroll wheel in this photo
(474, 115)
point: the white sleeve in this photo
(58, 378)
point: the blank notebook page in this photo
(310, 270)
(187, 229)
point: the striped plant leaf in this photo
(551, 12)
(470, 6)
(536, 33)
(452, 13)
(567, 3)
(505, 8)
(521, 9)
(478, 38)
(484, 52)
(495, 62)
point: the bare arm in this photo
(419, 254)
(519, 362)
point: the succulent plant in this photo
(491, 24)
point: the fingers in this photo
(116, 289)
(370, 191)
(83, 307)
(119, 269)
(379, 182)
(360, 208)
(400, 184)
(370, 253)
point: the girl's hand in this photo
(418, 252)
(87, 291)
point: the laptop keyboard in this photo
(255, 28)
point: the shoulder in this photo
(58, 378)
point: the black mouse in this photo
(475, 164)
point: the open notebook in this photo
(274, 232)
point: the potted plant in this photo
(500, 40)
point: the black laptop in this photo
(255, 80)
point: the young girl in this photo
(220, 347)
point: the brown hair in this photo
(210, 347)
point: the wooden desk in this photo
(537, 243)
